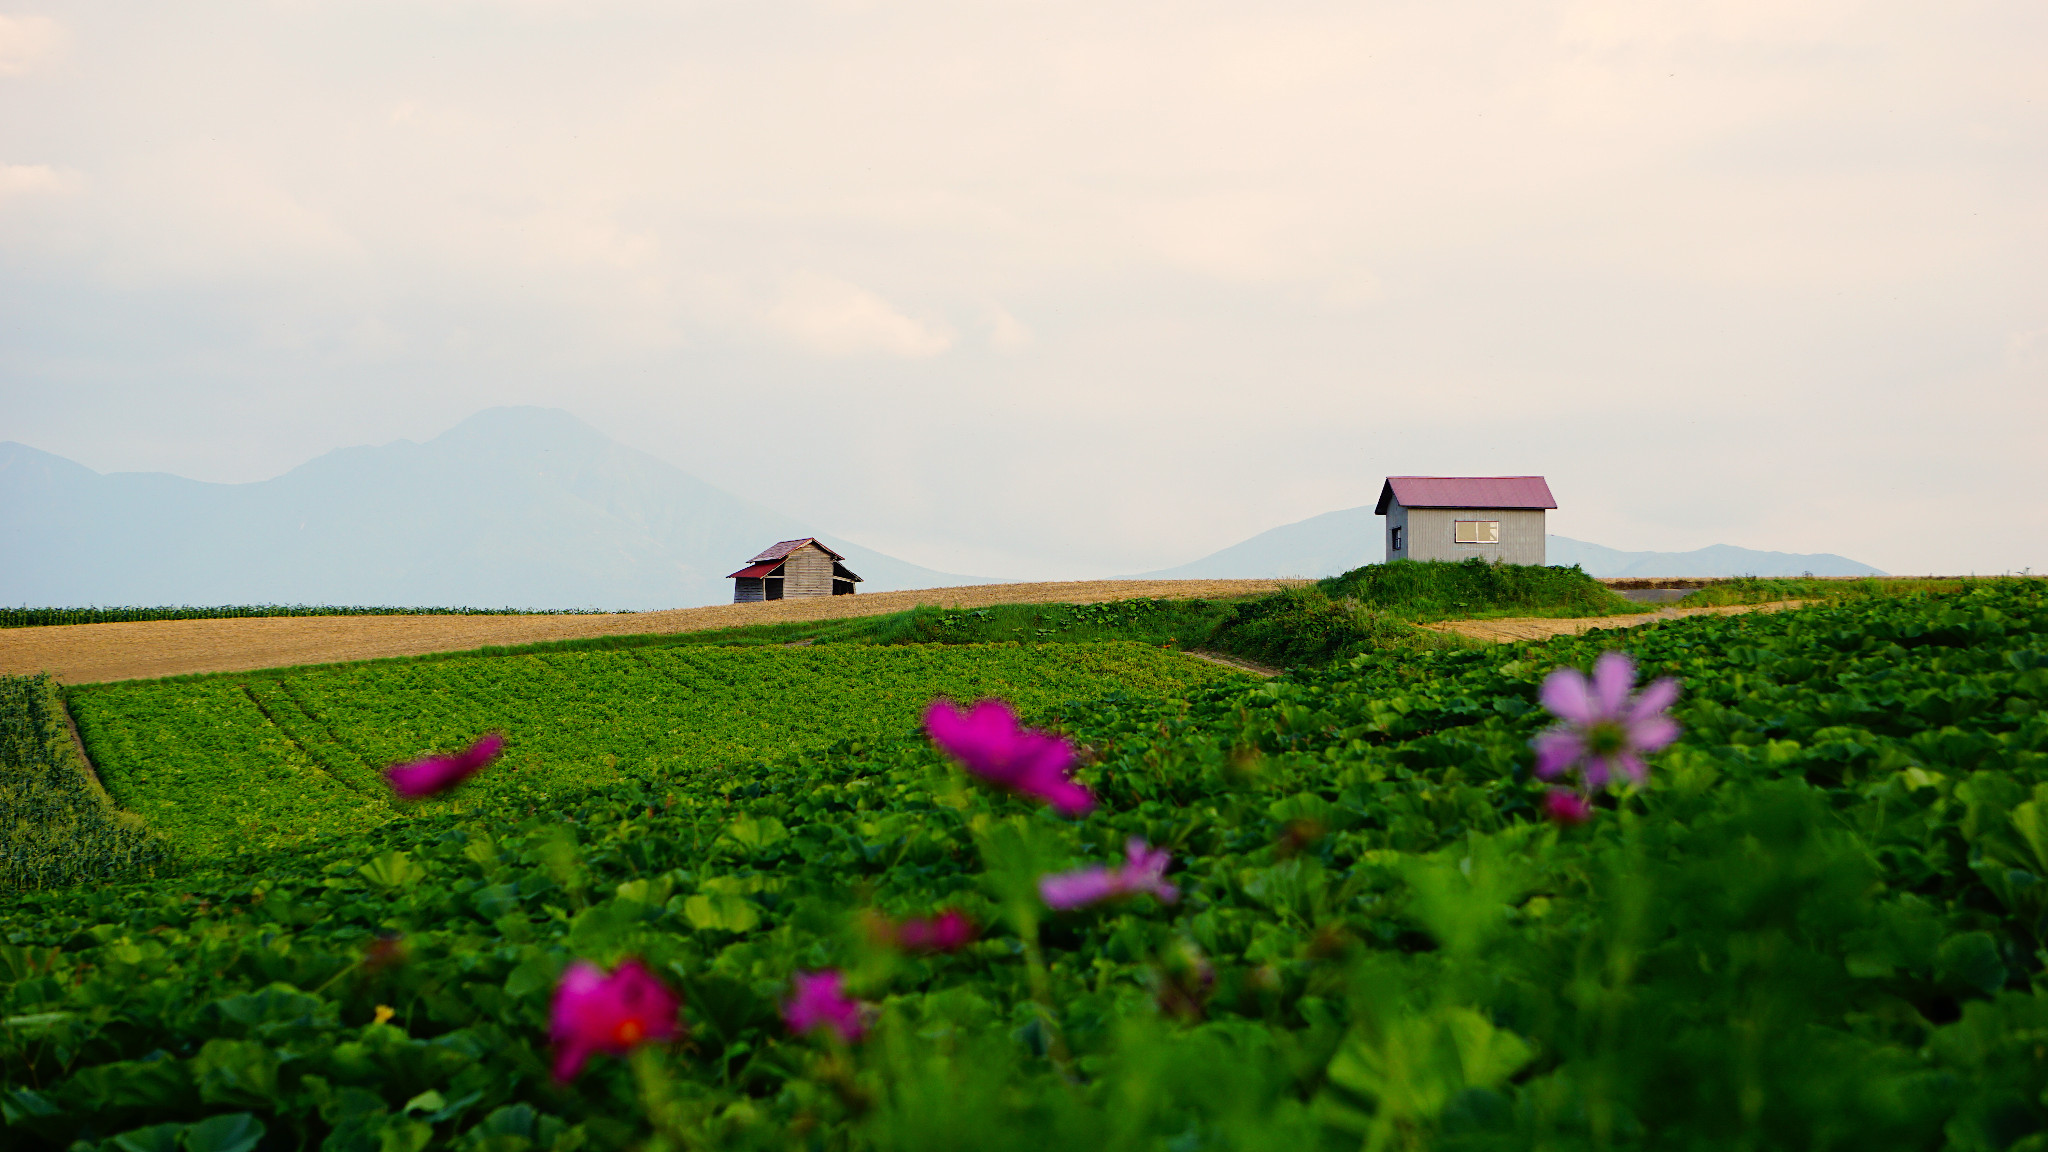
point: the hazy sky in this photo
(1066, 288)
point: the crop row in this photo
(57, 826)
(262, 760)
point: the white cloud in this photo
(831, 317)
(25, 180)
(28, 42)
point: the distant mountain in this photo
(519, 507)
(1340, 541)
(1713, 560)
(1316, 547)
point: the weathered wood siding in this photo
(747, 590)
(1431, 534)
(807, 572)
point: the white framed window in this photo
(1476, 531)
(1396, 540)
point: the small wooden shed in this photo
(790, 569)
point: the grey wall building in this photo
(1497, 518)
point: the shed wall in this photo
(1430, 534)
(807, 572)
(747, 590)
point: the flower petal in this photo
(1661, 694)
(1652, 732)
(1556, 750)
(1566, 694)
(1613, 675)
(1632, 766)
(1595, 773)
(1067, 890)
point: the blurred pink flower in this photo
(1565, 806)
(596, 1013)
(1143, 870)
(990, 744)
(1605, 732)
(437, 774)
(819, 1003)
(949, 931)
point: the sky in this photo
(1066, 289)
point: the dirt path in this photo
(1538, 628)
(1234, 663)
(92, 653)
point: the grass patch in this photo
(1765, 589)
(1426, 590)
(1375, 608)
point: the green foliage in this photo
(262, 760)
(38, 617)
(56, 825)
(1458, 589)
(1819, 927)
(1763, 589)
(1300, 626)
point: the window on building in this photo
(1477, 531)
(1396, 539)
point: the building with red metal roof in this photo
(1496, 518)
(791, 569)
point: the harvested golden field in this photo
(93, 653)
(1543, 628)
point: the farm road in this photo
(94, 653)
(1539, 628)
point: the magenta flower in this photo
(990, 744)
(1605, 732)
(1565, 806)
(596, 1013)
(437, 774)
(819, 1003)
(949, 931)
(1143, 870)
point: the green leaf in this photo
(720, 911)
(754, 833)
(155, 1138)
(393, 869)
(234, 1132)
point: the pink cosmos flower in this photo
(1565, 806)
(596, 1013)
(1143, 870)
(819, 1003)
(949, 931)
(990, 744)
(1605, 732)
(437, 774)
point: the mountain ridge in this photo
(514, 506)
(1337, 542)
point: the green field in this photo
(262, 760)
(1821, 925)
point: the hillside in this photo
(526, 507)
(1337, 542)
